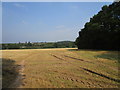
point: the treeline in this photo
(103, 30)
(29, 45)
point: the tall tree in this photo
(103, 30)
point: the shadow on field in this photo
(9, 72)
(110, 56)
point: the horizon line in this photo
(37, 41)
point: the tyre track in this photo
(77, 58)
(85, 69)
(70, 78)
(57, 57)
(102, 75)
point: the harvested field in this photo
(63, 68)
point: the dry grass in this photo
(66, 68)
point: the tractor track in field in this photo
(102, 75)
(85, 69)
(88, 83)
(68, 57)
(57, 57)
(75, 80)
(77, 59)
(18, 81)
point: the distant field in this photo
(60, 68)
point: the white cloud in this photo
(18, 5)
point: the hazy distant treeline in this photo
(29, 45)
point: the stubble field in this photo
(60, 68)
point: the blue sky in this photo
(46, 21)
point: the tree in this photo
(103, 30)
(29, 44)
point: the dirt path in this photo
(18, 82)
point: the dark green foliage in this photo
(65, 44)
(103, 30)
(29, 45)
(10, 46)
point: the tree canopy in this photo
(103, 30)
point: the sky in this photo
(45, 21)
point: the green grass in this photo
(109, 56)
